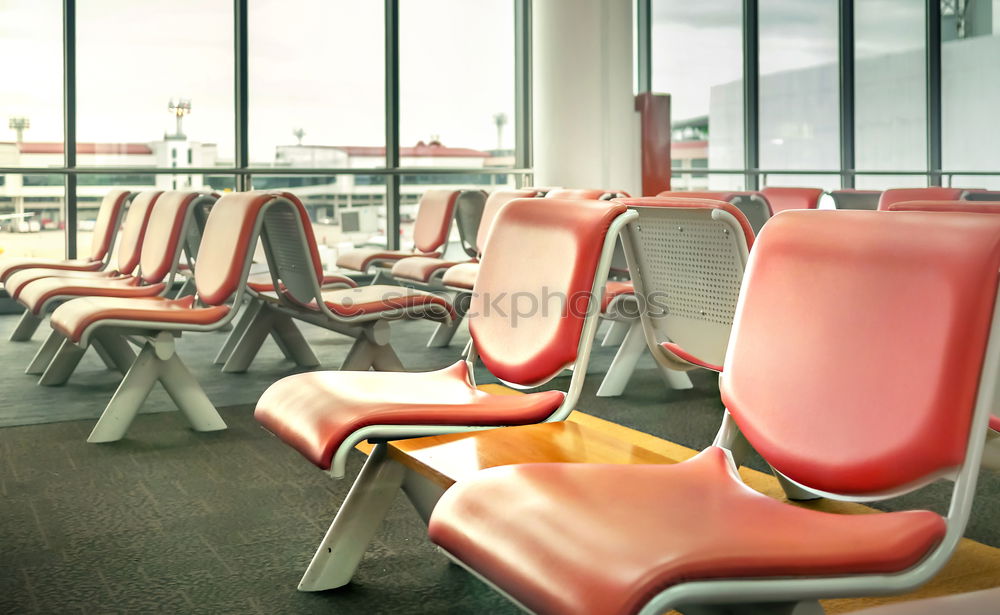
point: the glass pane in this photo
(697, 58)
(799, 85)
(890, 129)
(32, 221)
(970, 85)
(987, 182)
(317, 100)
(456, 83)
(31, 89)
(347, 211)
(826, 182)
(155, 83)
(412, 187)
(884, 182)
(682, 179)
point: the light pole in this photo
(180, 108)
(19, 125)
(500, 119)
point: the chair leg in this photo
(624, 363)
(103, 355)
(62, 365)
(386, 360)
(26, 327)
(249, 313)
(360, 357)
(188, 395)
(991, 454)
(359, 517)
(125, 404)
(615, 334)
(117, 349)
(45, 353)
(675, 379)
(250, 342)
(292, 342)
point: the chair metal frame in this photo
(368, 501)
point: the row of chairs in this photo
(690, 530)
(899, 399)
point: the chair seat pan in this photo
(362, 258)
(684, 355)
(11, 266)
(17, 281)
(420, 268)
(596, 539)
(261, 282)
(366, 301)
(35, 295)
(74, 317)
(995, 423)
(613, 290)
(316, 412)
(461, 276)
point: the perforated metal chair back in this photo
(468, 216)
(687, 258)
(866, 200)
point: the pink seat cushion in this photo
(261, 282)
(74, 317)
(600, 539)
(35, 295)
(315, 412)
(995, 423)
(461, 276)
(362, 258)
(11, 266)
(420, 268)
(684, 355)
(17, 281)
(373, 300)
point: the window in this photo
(317, 101)
(32, 217)
(706, 85)
(456, 83)
(154, 82)
(799, 98)
(31, 90)
(890, 126)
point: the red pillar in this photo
(654, 109)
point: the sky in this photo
(699, 44)
(314, 64)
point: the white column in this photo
(586, 130)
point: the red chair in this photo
(782, 198)
(305, 294)
(106, 228)
(430, 233)
(551, 261)
(428, 272)
(932, 193)
(127, 259)
(922, 349)
(754, 205)
(167, 217)
(224, 258)
(591, 194)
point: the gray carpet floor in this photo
(169, 520)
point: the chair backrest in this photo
(109, 217)
(849, 198)
(468, 217)
(202, 208)
(974, 207)
(587, 194)
(687, 258)
(134, 230)
(534, 291)
(876, 326)
(493, 204)
(434, 215)
(754, 205)
(782, 198)
(166, 231)
(933, 193)
(227, 245)
(290, 245)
